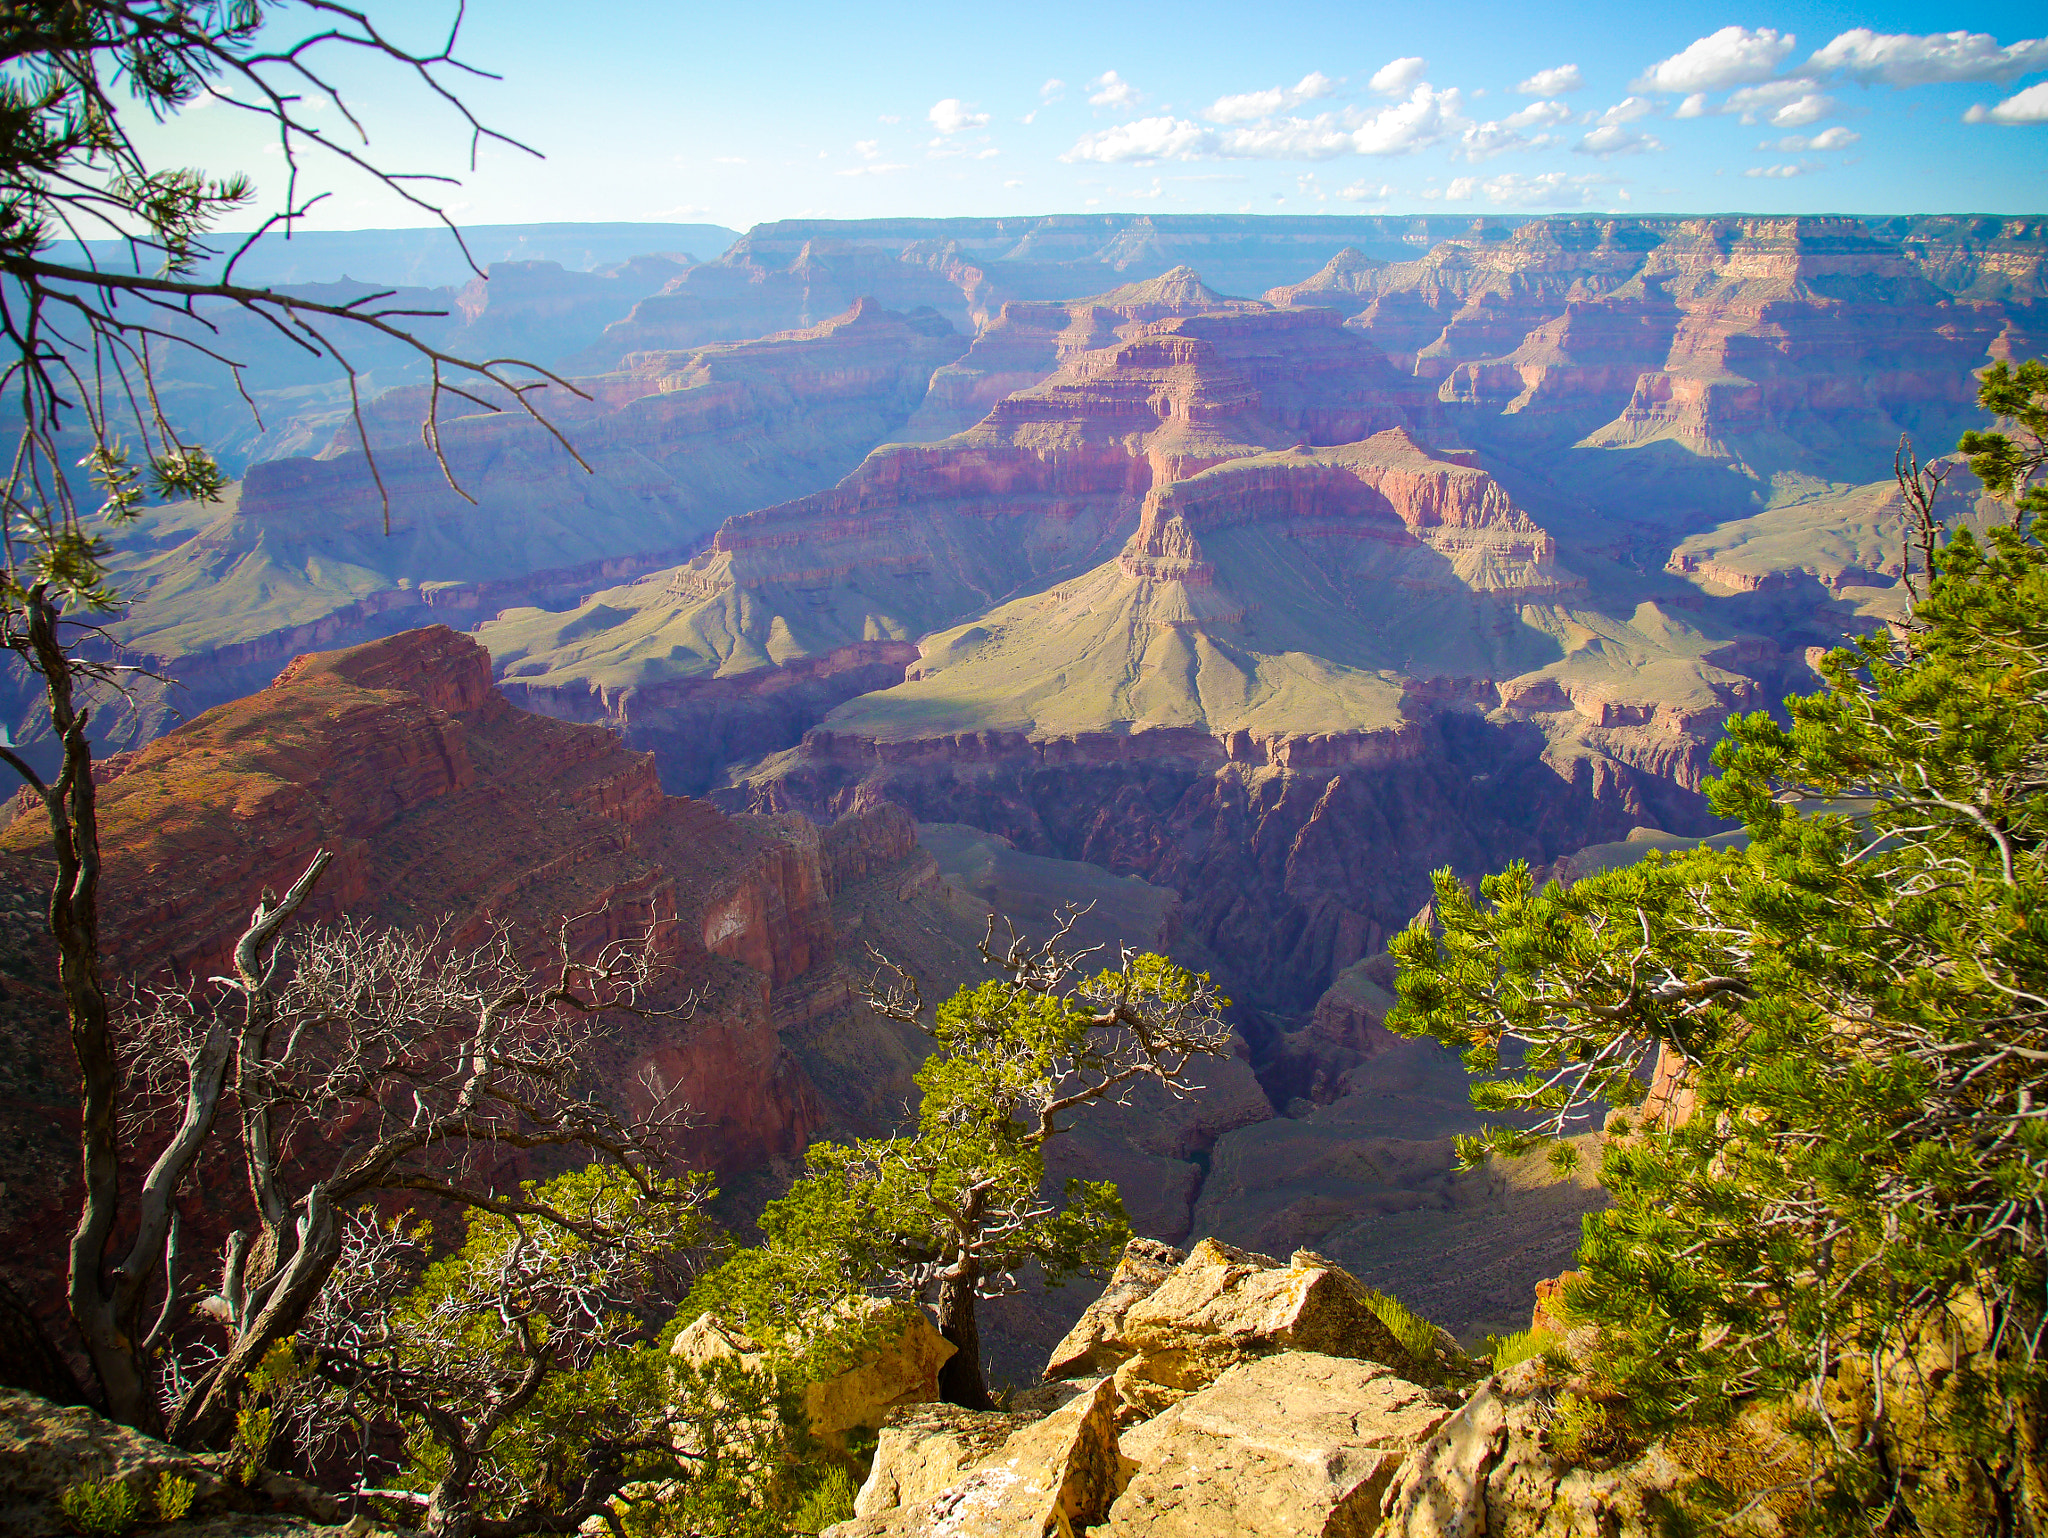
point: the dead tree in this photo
(80, 348)
(365, 1063)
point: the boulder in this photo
(1095, 1345)
(1300, 1445)
(1222, 1305)
(1497, 1467)
(1052, 1479)
(897, 1364)
(45, 1448)
(925, 1448)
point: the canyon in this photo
(1233, 574)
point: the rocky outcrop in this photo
(1291, 1416)
(1220, 1306)
(1300, 1443)
(1056, 1476)
(439, 800)
(923, 1451)
(47, 1450)
(897, 1363)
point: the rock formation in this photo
(298, 556)
(1219, 1392)
(440, 802)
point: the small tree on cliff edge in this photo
(1851, 1225)
(80, 344)
(949, 1214)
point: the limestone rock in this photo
(1223, 1305)
(925, 1448)
(45, 1448)
(1491, 1469)
(900, 1366)
(1095, 1345)
(1053, 1479)
(1299, 1445)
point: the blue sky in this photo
(742, 113)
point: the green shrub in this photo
(1509, 1350)
(174, 1497)
(829, 1500)
(1418, 1337)
(100, 1508)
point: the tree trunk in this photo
(960, 1380)
(450, 1513)
(109, 1340)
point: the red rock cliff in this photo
(440, 800)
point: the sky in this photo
(740, 114)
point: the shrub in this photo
(100, 1508)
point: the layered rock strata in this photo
(442, 803)
(298, 555)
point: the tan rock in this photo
(46, 1448)
(899, 1365)
(1095, 1345)
(1053, 1479)
(1299, 1445)
(924, 1449)
(1493, 1470)
(1223, 1305)
(1440, 1490)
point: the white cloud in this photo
(1461, 188)
(1367, 192)
(1902, 58)
(1694, 105)
(1629, 109)
(1289, 138)
(1483, 141)
(1013, 184)
(1427, 117)
(1052, 91)
(1145, 138)
(1613, 139)
(1552, 82)
(891, 118)
(1424, 118)
(952, 115)
(1253, 105)
(1732, 56)
(867, 149)
(1112, 90)
(1836, 138)
(1398, 76)
(879, 169)
(2029, 106)
(1781, 103)
(1611, 134)
(1801, 169)
(1551, 188)
(1539, 114)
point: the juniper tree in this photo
(1853, 1220)
(950, 1213)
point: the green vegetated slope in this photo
(674, 446)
